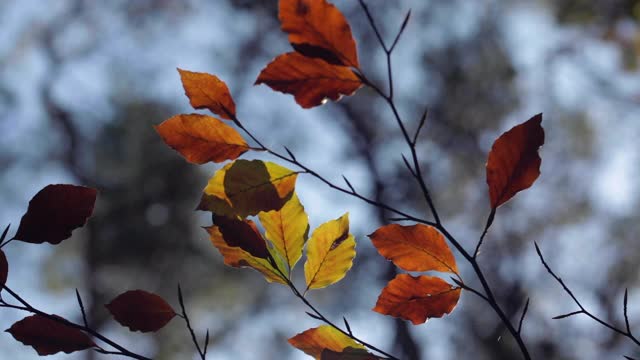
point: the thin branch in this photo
(524, 313)
(423, 119)
(406, 163)
(84, 314)
(568, 315)
(624, 310)
(484, 232)
(401, 31)
(186, 320)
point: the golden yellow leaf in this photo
(287, 229)
(244, 188)
(330, 253)
(314, 341)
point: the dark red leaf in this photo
(54, 212)
(141, 311)
(48, 336)
(243, 234)
(4, 269)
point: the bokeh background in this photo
(83, 82)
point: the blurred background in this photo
(83, 82)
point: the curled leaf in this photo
(317, 28)
(414, 248)
(314, 341)
(417, 298)
(514, 163)
(244, 188)
(236, 257)
(141, 311)
(201, 138)
(48, 336)
(206, 91)
(330, 253)
(54, 212)
(311, 81)
(243, 234)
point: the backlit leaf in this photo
(311, 81)
(141, 311)
(414, 248)
(4, 269)
(330, 253)
(317, 28)
(201, 138)
(54, 212)
(243, 234)
(206, 91)
(244, 188)
(348, 354)
(514, 163)
(287, 229)
(417, 298)
(48, 336)
(236, 257)
(314, 341)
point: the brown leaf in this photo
(201, 138)
(243, 234)
(348, 354)
(311, 81)
(206, 91)
(417, 298)
(314, 341)
(414, 248)
(514, 163)
(4, 269)
(48, 336)
(317, 28)
(54, 212)
(141, 311)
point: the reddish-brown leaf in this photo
(417, 298)
(54, 212)
(317, 28)
(201, 138)
(514, 163)
(311, 81)
(4, 269)
(414, 248)
(243, 234)
(206, 91)
(141, 311)
(48, 336)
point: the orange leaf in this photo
(243, 234)
(237, 257)
(48, 336)
(201, 138)
(4, 269)
(317, 28)
(54, 212)
(206, 91)
(514, 163)
(314, 341)
(414, 248)
(311, 81)
(141, 311)
(417, 298)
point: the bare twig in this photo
(186, 320)
(524, 313)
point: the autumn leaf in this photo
(236, 257)
(244, 188)
(311, 81)
(243, 234)
(206, 91)
(287, 229)
(315, 340)
(4, 269)
(141, 311)
(417, 298)
(48, 336)
(201, 138)
(514, 163)
(330, 253)
(348, 354)
(54, 212)
(317, 28)
(414, 248)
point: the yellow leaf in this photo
(287, 229)
(330, 253)
(236, 257)
(244, 188)
(314, 341)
